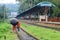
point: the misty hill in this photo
(12, 7)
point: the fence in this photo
(54, 19)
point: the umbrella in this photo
(49, 4)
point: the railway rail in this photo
(23, 35)
(45, 26)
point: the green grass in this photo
(41, 33)
(5, 30)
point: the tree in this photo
(56, 12)
(2, 12)
(26, 5)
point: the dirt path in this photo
(22, 35)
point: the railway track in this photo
(58, 29)
(23, 35)
(44, 26)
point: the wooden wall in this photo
(54, 19)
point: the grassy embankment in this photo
(41, 33)
(6, 32)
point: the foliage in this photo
(5, 31)
(2, 12)
(41, 33)
(56, 12)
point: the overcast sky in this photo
(8, 1)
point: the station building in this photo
(40, 12)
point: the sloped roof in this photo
(34, 8)
(28, 11)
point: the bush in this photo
(56, 12)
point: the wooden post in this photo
(4, 12)
(30, 16)
(45, 12)
(38, 17)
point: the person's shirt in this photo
(18, 24)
